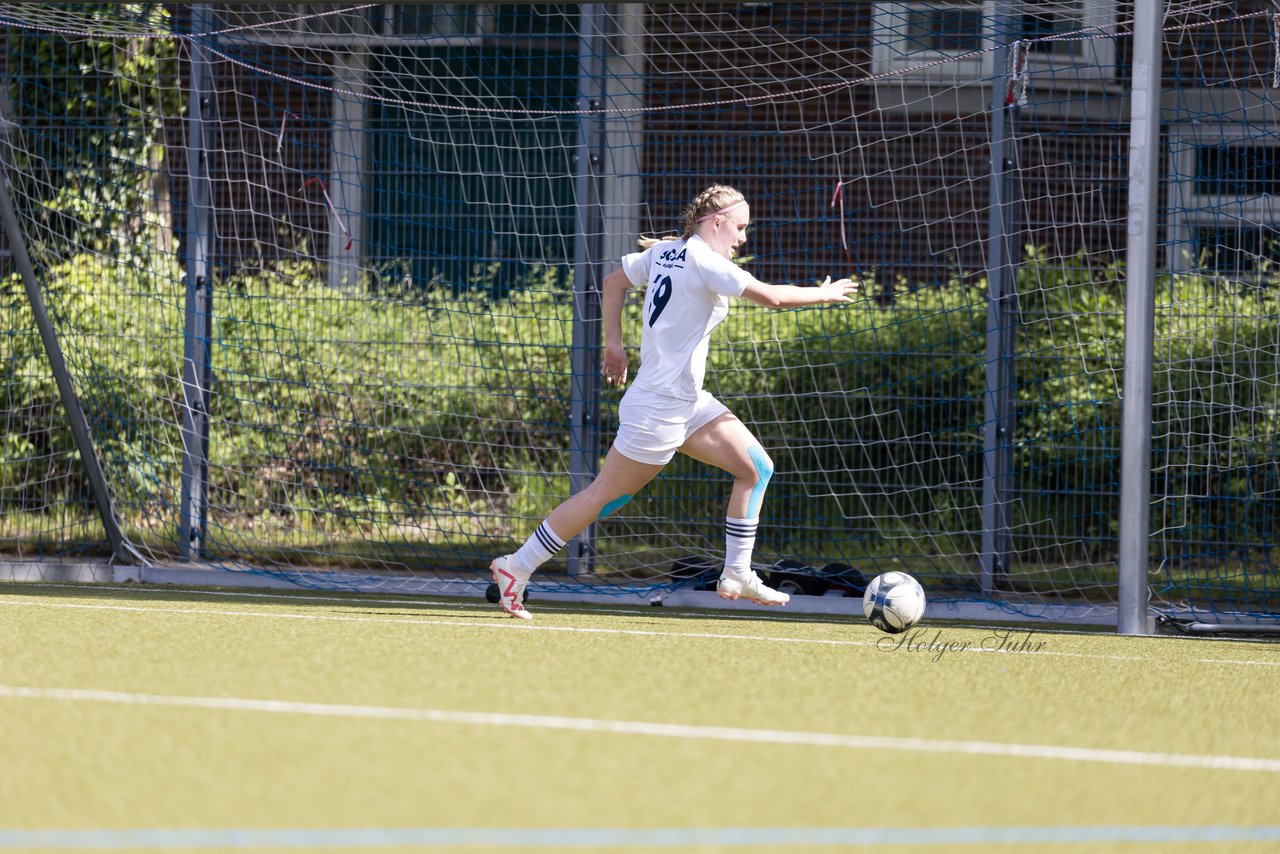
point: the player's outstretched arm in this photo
(791, 296)
(614, 363)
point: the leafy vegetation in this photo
(94, 109)
(433, 418)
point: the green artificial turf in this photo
(130, 716)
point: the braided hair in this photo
(706, 204)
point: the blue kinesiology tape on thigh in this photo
(614, 505)
(764, 471)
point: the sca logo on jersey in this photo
(673, 256)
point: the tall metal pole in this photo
(57, 364)
(1002, 295)
(1139, 322)
(197, 365)
(588, 273)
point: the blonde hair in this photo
(706, 204)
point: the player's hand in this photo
(614, 365)
(841, 290)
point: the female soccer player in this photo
(690, 279)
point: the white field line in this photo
(766, 615)
(410, 601)
(506, 624)
(414, 601)
(646, 839)
(655, 730)
(886, 642)
(763, 615)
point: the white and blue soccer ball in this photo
(893, 602)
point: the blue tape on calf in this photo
(614, 505)
(764, 471)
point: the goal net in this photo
(326, 280)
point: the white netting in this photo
(403, 199)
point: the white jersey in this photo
(689, 286)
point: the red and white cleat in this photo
(752, 589)
(510, 588)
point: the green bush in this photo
(342, 411)
(98, 181)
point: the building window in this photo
(429, 193)
(956, 39)
(324, 25)
(1223, 217)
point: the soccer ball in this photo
(894, 602)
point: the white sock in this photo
(537, 550)
(739, 542)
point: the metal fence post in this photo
(1002, 319)
(197, 365)
(1139, 319)
(587, 274)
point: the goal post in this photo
(326, 278)
(87, 455)
(1139, 339)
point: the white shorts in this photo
(653, 426)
